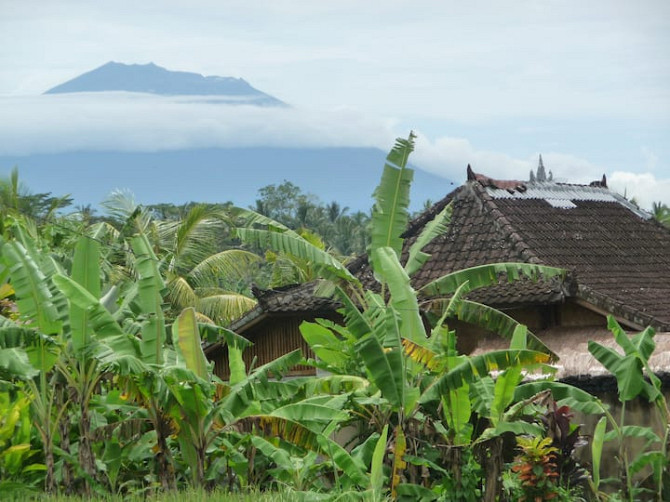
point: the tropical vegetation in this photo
(105, 389)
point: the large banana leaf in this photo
(389, 214)
(495, 321)
(280, 456)
(565, 394)
(350, 465)
(403, 297)
(86, 272)
(518, 428)
(150, 297)
(627, 369)
(33, 298)
(488, 275)
(458, 409)
(422, 355)
(597, 450)
(271, 427)
(479, 366)
(356, 322)
(42, 350)
(186, 338)
(14, 363)
(243, 394)
(482, 394)
(503, 392)
(315, 417)
(101, 321)
(248, 219)
(437, 226)
(632, 368)
(377, 467)
(385, 365)
(327, 347)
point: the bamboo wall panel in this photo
(271, 339)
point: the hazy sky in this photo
(493, 84)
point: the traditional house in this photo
(618, 260)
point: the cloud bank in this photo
(645, 188)
(136, 122)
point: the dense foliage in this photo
(104, 387)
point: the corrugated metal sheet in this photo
(562, 195)
(561, 203)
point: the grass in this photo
(181, 496)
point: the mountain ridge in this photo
(153, 79)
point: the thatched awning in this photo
(571, 346)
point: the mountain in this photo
(153, 79)
(345, 175)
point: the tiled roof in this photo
(621, 260)
(285, 300)
(618, 256)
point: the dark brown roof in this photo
(296, 298)
(618, 257)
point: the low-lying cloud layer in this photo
(139, 122)
(135, 122)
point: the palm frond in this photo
(292, 244)
(197, 231)
(224, 307)
(181, 293)
(232, 264)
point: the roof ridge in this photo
(429, 214)
(506, 227)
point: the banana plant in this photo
(34, 337)
(636, 379)
(194, 411)
(70, 333)
(16, 467)
(96, 344)
(383, 326)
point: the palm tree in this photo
(198, 272)
(661, 213)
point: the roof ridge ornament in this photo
(471, 174)
(541, 172)
(510, 185)
(602, 183)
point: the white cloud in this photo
(449, 157)
(136, 122)
(644, 187)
